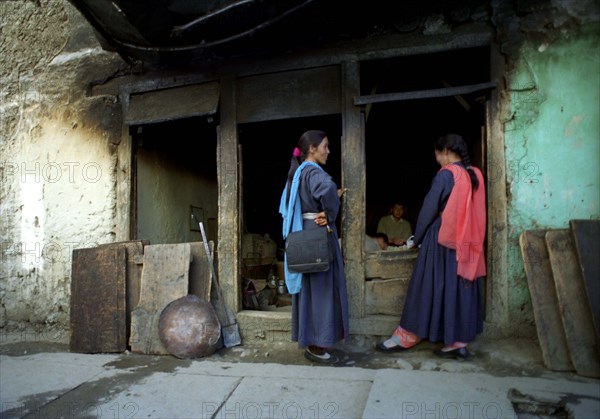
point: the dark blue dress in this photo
(320, 309)
(440, 305)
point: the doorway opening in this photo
(400, 162)
(399, 153)
(175, 176)
(265, 156)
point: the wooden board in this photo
(200, 271)
(165, 278)
(166, 104)
(98, 321)
(135, 252)
(550, 332)
(586, 234)
(266, 97)
(571, 295)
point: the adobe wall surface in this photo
(57, 170)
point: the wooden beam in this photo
(423, 94)
(166, 104)
(459, 98)
(266, 97)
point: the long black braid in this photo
(457, 144)
(312, 137)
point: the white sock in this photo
(391, 342)
(324, 356)
(451, 348)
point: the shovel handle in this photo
(209, 256)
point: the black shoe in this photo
(382, 348)
(460, 354)
(326, 358)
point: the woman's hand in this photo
(341, 192)
(321, 219)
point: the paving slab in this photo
(28, 382)
(418, 394)
(275, 390)
(169, 395)
(326, 396)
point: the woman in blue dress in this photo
(311, 199)
(443, 301)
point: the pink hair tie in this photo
(297, 152)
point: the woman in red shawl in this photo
(443, 301)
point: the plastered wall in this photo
(57, 165)
(552, 136)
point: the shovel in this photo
(229, 327)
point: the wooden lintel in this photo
(423, 94)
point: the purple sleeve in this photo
(324, 193)
(434, 203)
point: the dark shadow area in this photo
(267, 149)
(189, 143)
(400, 162)
(175, 175)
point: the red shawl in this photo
(464, 222)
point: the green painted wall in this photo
(552, 144)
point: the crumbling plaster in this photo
(57, 168)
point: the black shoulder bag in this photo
(309, 250)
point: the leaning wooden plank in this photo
(165, 278)
(98, 320)
(135, 253)
(575, 313)
(586, 234)
(551, 334)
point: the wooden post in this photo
(353, 178)
(124, 180)
(497, 306)
(228, 245)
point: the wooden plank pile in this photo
(562, 268)
(119, 290)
